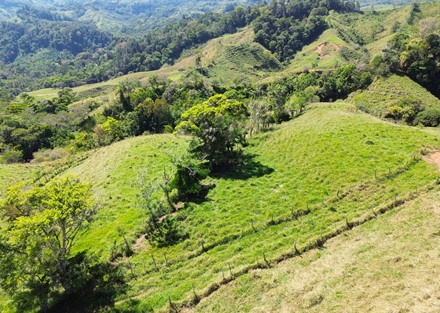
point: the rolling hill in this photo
(334, 210)
(331, 166)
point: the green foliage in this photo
(109, 131)
(11, 156)
(409, 98)
(429, 117)
(162, 228)
(285, 27)
(379, 67)
(260, 115)
(40, 226)
(218, 125)
(298, 100)
(188, 177)
(405, 109)
(416, 57)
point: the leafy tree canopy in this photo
(40, 227)
(218, 126)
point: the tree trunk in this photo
(44, 305)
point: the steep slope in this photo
(304, 180)
(386, 92)
(235, 58)
(388, 264)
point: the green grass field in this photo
(321, 54)
(384, 92)
(390, 263)
(302, 163)
(333, 160)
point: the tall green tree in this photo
(218, 126)
(40, 226)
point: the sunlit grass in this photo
(329, 149)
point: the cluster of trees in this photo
(287, 98)
(153, 108)
(415, 57)
(32, 35)
(30, 125)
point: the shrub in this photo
(11, 156)
(429, 117)
(49, 155)
(406, 109)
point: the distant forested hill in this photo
(120, 16)
(53, 48)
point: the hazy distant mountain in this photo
(127, 16)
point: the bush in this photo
(49, 155)
(12, 156)
(406, 109)
(429, 117)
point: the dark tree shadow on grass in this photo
(243, 167)
(96, 287)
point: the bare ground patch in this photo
(325, 49)
(433, 158)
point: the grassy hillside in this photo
(115, 183)
(390, 263)
(329, 166)
(304, 182)
(385, 92)
(340, 164)
(374, 29)
(226, 59)
(322, 53)
(326, 52)
(324, 160)
(236, 58)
